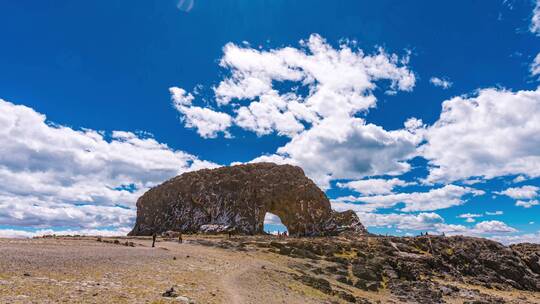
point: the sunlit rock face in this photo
(238, 198)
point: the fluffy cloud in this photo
(30, 211)
(440, 82)
(494, 133)
(485, 228)
(519, 179)
(314, 95)
(348, 149)
(520, 238)
(52, 175)
(430, 221)
(374, 186)
(527, 204)
(524, 192)
(272, 219)
(469, 217)
(491, 227)
(421, 221)
(208, 123)
(434, 199)
(524, 195)
(15, 233)
(342, 75)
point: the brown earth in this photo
(262, 269)
(71, 270)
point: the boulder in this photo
(317, 283)
(238, 197)
(530, 254)
(170, 293)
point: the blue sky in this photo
(135, 93)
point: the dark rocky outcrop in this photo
(370, 261)
(237, 198)
(530, 254)
(425, 269)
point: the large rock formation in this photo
(238, 198)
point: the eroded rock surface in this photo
(239, 197)
(426, 269)
(372, 261)
(423, 269)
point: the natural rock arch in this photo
(238, 198)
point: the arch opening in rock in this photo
(273, 224)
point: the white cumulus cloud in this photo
(488, 229)
(527, 204)
(491, 227)
(314, 95)
(469, 217)
(18, 233)
(434, 199)
(208, 122)
(520, 238)
(524, 192)
(494, 133)
(272, 219)
(421, 221)
(52, 175)
(374, 185)
(441, 82)
(348, 149)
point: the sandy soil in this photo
(73, 270)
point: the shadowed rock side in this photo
(237, 198)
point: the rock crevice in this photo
(238, 197)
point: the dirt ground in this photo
(71, 270)
(84, 270)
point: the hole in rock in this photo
(273, 224)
